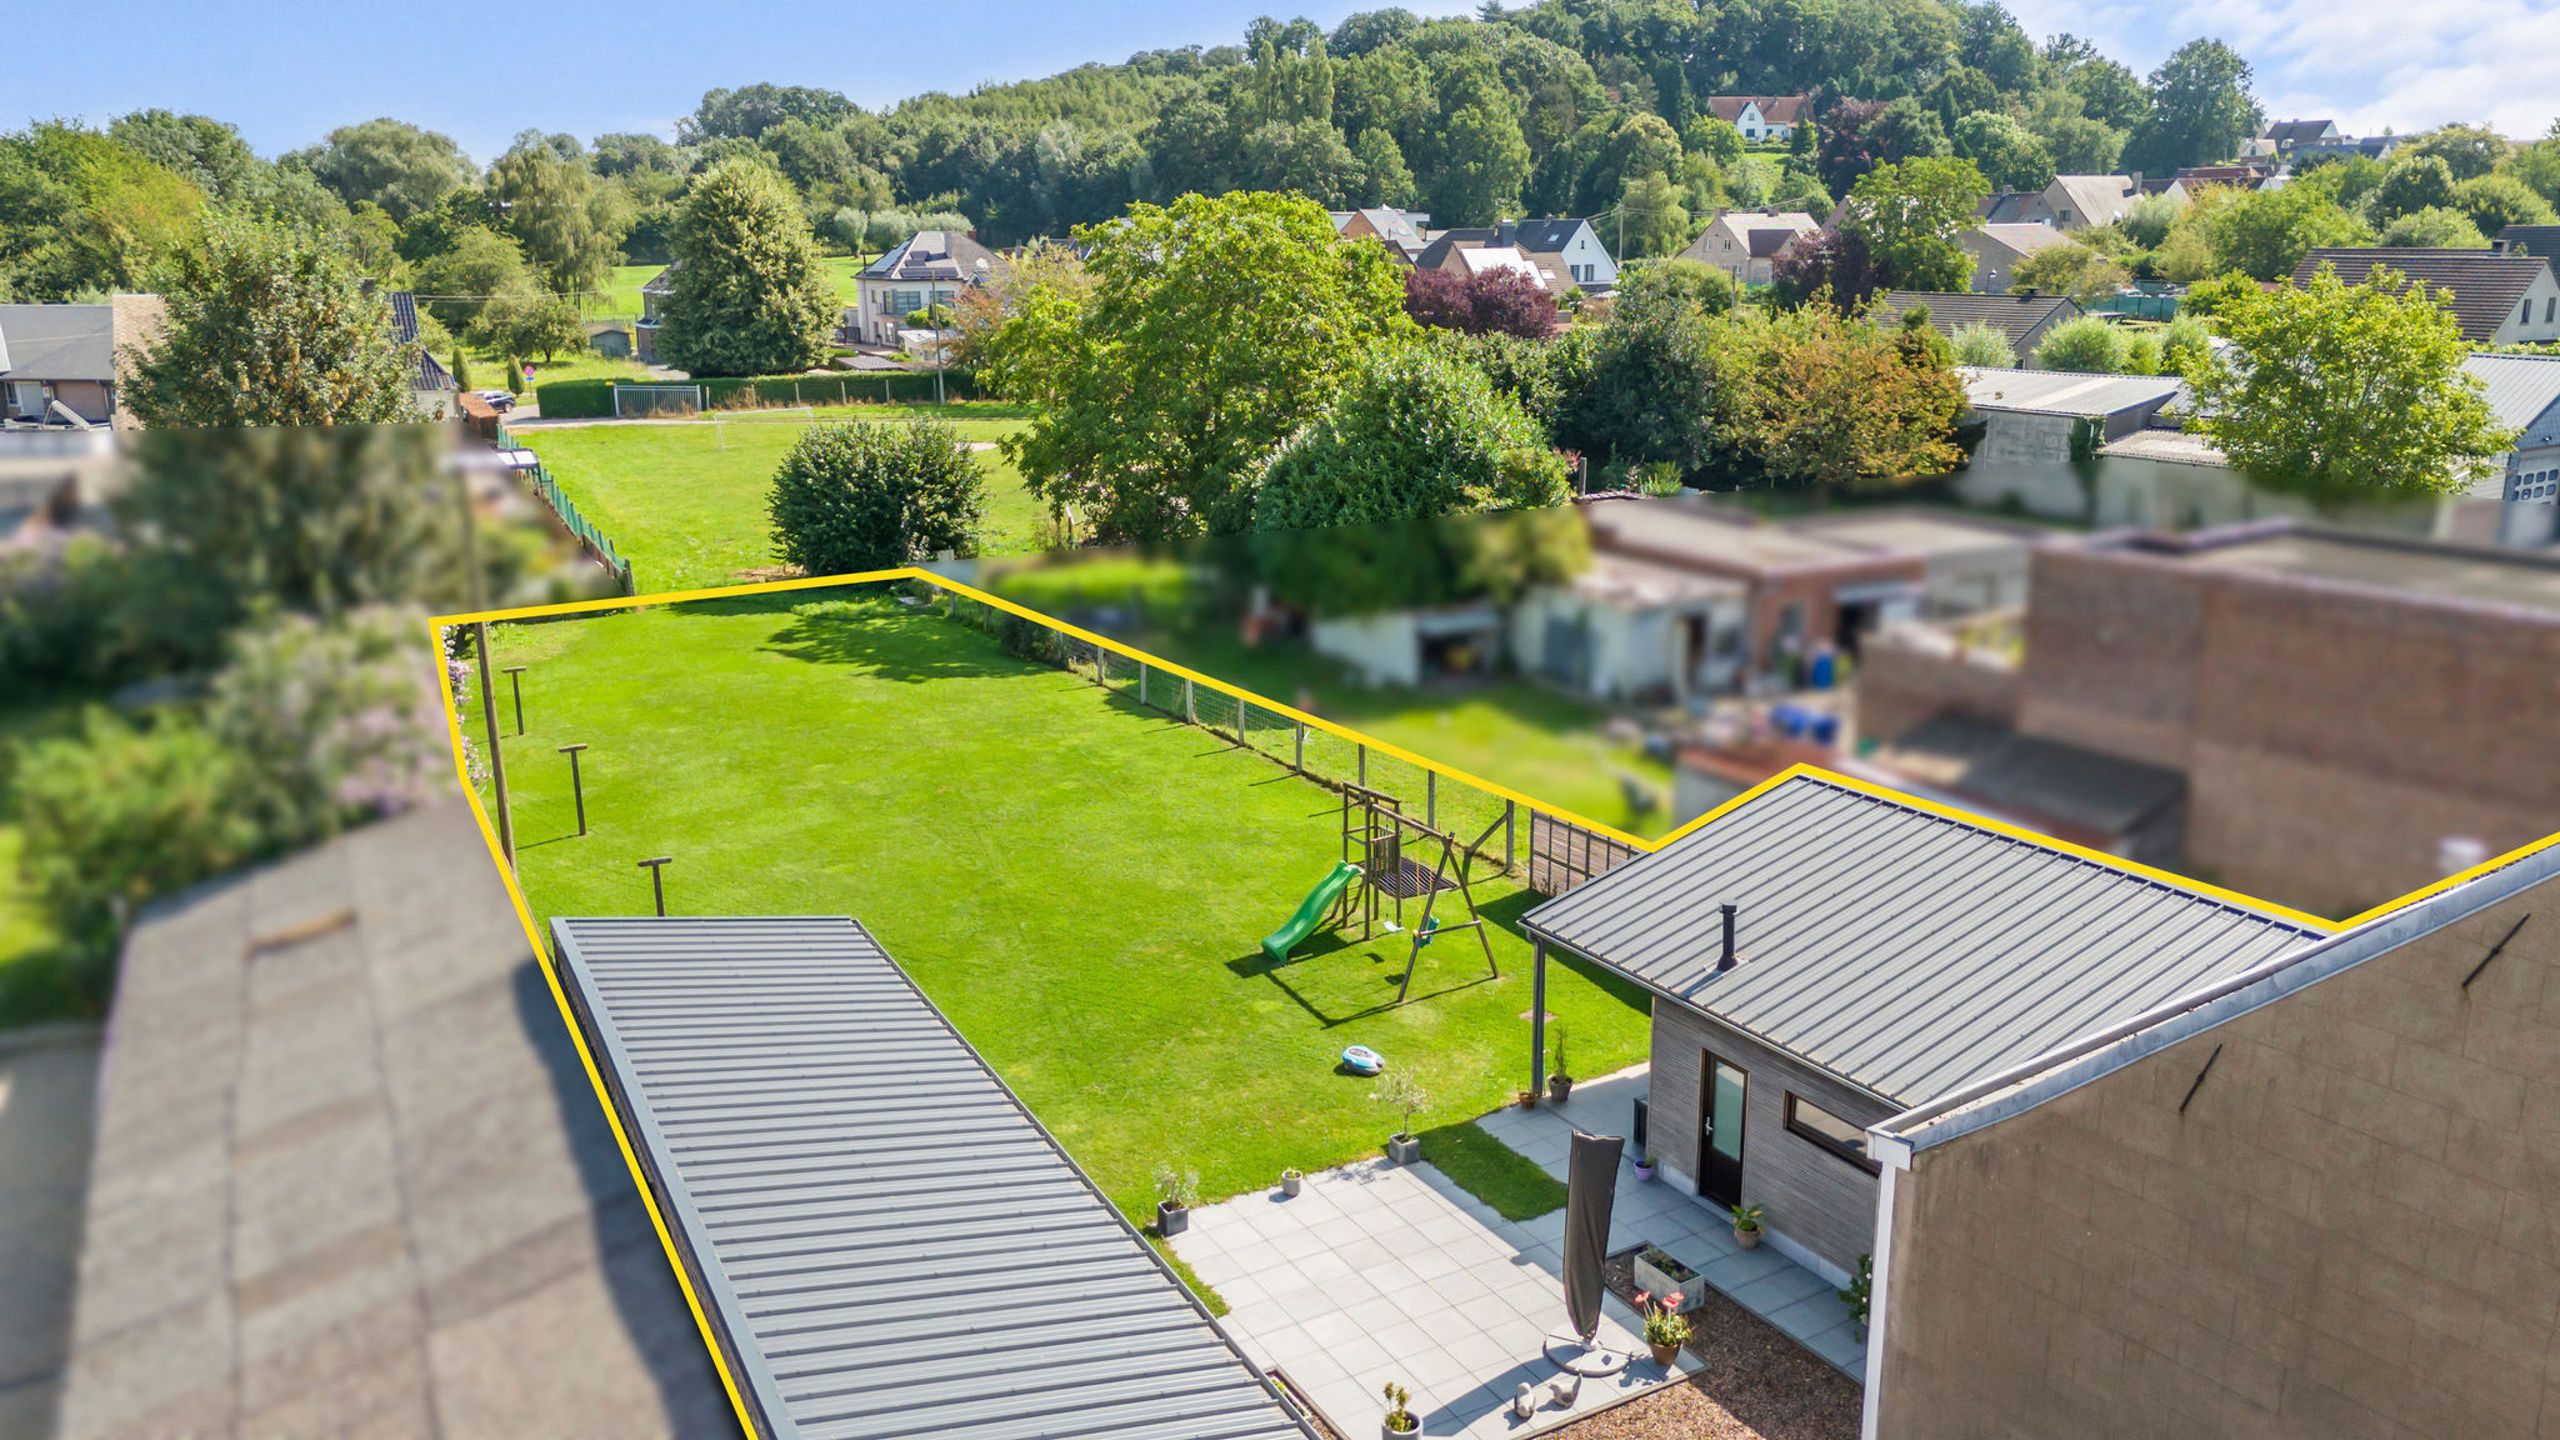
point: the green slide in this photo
(1310, 914)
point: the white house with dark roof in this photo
(1998, 250)
(431, 389)
(1762, 117)
(930, 267)
(1568, 254)
(1745, 243)
(2501, 298)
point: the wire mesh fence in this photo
(1490, 829)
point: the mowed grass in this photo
(686, 502)
(622, 288)
(1080, 884)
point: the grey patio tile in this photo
(1322, 1267)
(1809, 1316)
(1461, 1287)
(1778, 1290)
(1247, 1259)
(1331, 1332)
(1842, 1348)
(1742, 1267)
(1430, 1262)
(1374, 1314)
(1336, 1232)
(1364, 1254)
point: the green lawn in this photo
(1517, 1187)
(1080, 884)
(686, 503)
(622, 289)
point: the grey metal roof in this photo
(1903, 951)
(887, 1242)
(2066, 392)
(2518, 388)
(935, 255)
(60, 342)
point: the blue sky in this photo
(285, 74)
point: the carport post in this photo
(1538, 1020)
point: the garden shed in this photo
(882, 1239)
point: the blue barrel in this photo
(1823, 665)
(1826, 729)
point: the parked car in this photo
(499, 400)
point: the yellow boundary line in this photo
(595, 1077)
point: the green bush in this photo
(574, 399)
(342, 721)
(1979, 343)
(59, 613)
(121, 813)
(2086, 344)
(1415, 433)
(870, 496)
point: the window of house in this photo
(1829, 1131)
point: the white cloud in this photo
(2368, 64)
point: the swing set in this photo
(1377, 839)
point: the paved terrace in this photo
(1377, 1272)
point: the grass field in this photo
(622, 289)
(686, 503)
(1079, 883)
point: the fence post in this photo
(1510, 812)
(1241, 707)
(1142, 682)
(1300, 763)
(1364, 767)
(1190, 703)
(1431, 798)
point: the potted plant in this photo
(1746, 1226)
(1292, 1180)
(1665, 1328)
(1560, 1084)
(1855, 1296)
(1644, 1169)
(1176, 1192)
(1400, 1421)
(1659, 1272)
(1405, 1095)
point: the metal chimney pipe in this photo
(1724, 961)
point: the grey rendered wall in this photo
(1811, 1196)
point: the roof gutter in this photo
(2058, 1072)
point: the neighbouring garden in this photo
(1079, 882)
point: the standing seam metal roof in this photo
(1902, 951)
(887, 1241)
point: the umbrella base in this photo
(1580, 1357)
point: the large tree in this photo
(549, 203)
(1909, 215)
(1824, 400)
(2201, 110)
(270, 324)
(396, 165)
(1216, 327)
(82, 212)
(750, 297)
(1416, 432)
(2339, 391)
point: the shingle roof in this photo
(2014, 316)
(2293, 132)
(934, 255)
(2486, 285)
(1901, 950)
(2014, 207)
(2542, 240)
(60, 342)
(886, 1240)
(2023, 239)
(350, 1178)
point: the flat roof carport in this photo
(884, 1240)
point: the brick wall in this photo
(2353, 1231)
(2112, 646)
(1903, 682)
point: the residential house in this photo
(2014, 207)
(2040, 416)
(1762, 118)
(2022, 320)
(1401, 231)
(2286, 135)
(2501, 298)
(1997, 251)
(2542, 240)
(1745, 243)
(1565, 254)
(2080, 201)
(61, 365)
(1801, 591)
(2344, 147)
(431, 389)
(928, 268)
(1825, 955)
(654, 293)
(2312, 1196)
(2246, 177)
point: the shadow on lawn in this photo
(1388, 974)
(861, 627)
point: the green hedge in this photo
(574, 399)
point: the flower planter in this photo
(1388, 1431)
(1658, 1274)
(1291, 1182)
(1665, 1355)
(1171, 1219)
(1404, 1149)
(1644, 1172)
(1559, 1088)
(1747, 1239)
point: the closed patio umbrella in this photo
(1591, 1193)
